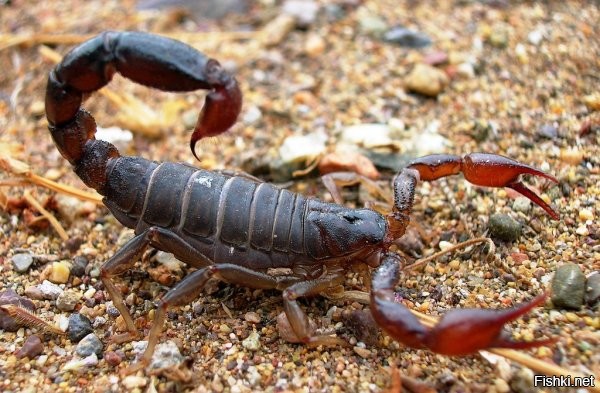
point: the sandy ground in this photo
(523, 81)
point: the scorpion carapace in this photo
(237, 228)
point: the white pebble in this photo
(444, 245)
(582, 230)
(301, 147)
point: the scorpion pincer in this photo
(236, 228)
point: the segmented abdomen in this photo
(229, 219)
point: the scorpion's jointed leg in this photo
(190, 287)
(334, 181)
(298, 319)
(132, 251)
(293, 288)
(459, 332)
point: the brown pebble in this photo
(31, 348)
(252, 317)
(112, 358)
(362, 352)
(231, 365)
(427, 80)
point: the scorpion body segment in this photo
(237, 228)
(228, 217)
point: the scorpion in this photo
(236, 228)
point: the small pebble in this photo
(33, 292)
(367, 135)
(49, 290)
(252, 317)
(568, 287)
(166, 355)
(372, 24)
(70, 208)
(169, 261)
(79, 264)
(406, 37)
(501, 385)
(586, 214)
(79, 327)
(504, 227)
(499, 36)
(427, 80)
(362, 352)
(522, 380)
(252, 115)
(549, 131)
(302, 147)
(582, 230)
(22, 262)
(252, 342)
(78, 363)
(444, 245)
(535, 36)
(67, 300)
(31, 348)
(88, 345)
(112, 358)
(592, 101)
(134, 382)
(592, 291)
(521, 204)
(59, 273)
(314, 45)
(572, 156)
(304, 11)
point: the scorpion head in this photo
(345, 232)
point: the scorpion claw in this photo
(483, 169)
(462, 332)
(535, 198)
(492, 170)
(459, 332)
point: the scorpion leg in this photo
(132, 251)
(292, 290)
(333, 182)
(190, 287)
(459, 332)
(298, 319)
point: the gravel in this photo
(512, 68)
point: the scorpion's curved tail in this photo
(147, 59)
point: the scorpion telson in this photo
(236, 228)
